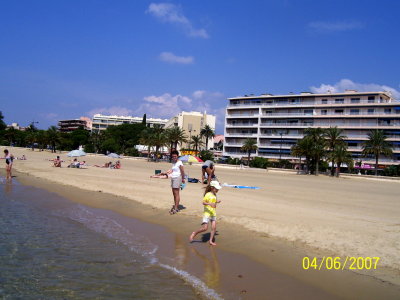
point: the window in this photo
(371, 111)
(308, 111)
(354, 111)
(388, 110)
(324, 112)
(355, 100)
(352, 144)
(339, 101)
(324, 101)
(371, 99)
(339, 111)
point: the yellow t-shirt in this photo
(208, 210)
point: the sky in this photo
(66, 59)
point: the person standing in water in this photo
(177, 178)
(210, 213)
(9, 162)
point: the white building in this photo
(101, 122)
(192, 123)
(277, 122)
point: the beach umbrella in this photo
(190, 158)
(76, 153)
(113, 155)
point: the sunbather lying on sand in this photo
(165, 175)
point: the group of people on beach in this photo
(178, 181)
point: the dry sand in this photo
(326, 216)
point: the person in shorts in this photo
(210, 214)
(177, 178)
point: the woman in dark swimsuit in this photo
(9, 162)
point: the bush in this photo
(132, 152)
(233, 161)
(392, 171)
(259, 162)
(206, 155)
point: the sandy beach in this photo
(290, 216)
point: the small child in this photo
(210, 214)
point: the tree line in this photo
(329, 146)
(121, 139)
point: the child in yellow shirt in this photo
(210, 214)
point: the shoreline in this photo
(282, 256)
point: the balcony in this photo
(241, 134)
(241, 124)
(243, 115)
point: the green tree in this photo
(206, 155)
(249, 146)
(10, 135)
(377, 145)
(334, 137)
(147, 140)
(207, 132)
(53, 137)
(31, 139)
(3, 125)
(159, 138)
(318, 144)
(303, 148)
(196, 142)
(340, 155)
(174, 136)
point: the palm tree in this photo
(334, 137)
(249, 146)
(207, 132)
(158, 138)
(317, 140)
(41, 139)
(303, 148)
(341, 155)
(174, 136)
(53, 137)
(377, 145)
(31, 138)
(96, 138)
(146, 139)
(196, 142)
(11, 135)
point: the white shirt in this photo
(176, 171)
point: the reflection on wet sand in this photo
(211, 267)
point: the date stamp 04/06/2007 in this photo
(340, 263)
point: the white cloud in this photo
(167, 105)
(347, 84)
(326, 27)
(113, 110)
(172, 58)
(170, 13)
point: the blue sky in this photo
(66, 59)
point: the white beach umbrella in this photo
(76, 153)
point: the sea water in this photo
(51, 248)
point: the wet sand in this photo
(245, 215)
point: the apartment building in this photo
(74, 124)
(192, 123)
(277, 122)
(101, 122)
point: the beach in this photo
(289, 217)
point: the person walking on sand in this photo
(210, 214)
(207, 171)
(177, 178)
(9, 162)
